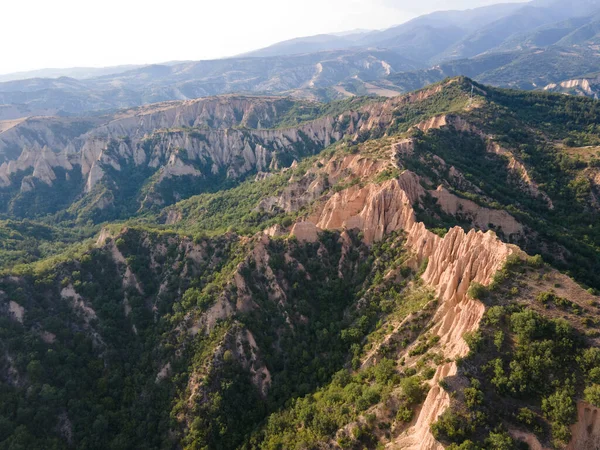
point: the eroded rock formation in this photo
(454, 262)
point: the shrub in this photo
(592, 395)
(467, 445)
(473, 397)
(594, 375)
(535, 261)
(545, 297)
(345, 442)
(412, 390)
(385, 371)
(526, 416)
(404, 414)
(477, 291)
(499, 339)
(495, 315)
(227, 356)
(452, 426)
(428, 373)
(560, 409)
(527, 325)
(499, 441)
(474, 339)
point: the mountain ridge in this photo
(542, 50)
(375, 290)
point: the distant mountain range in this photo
(74, 72)
(422, 39)
(543, 44)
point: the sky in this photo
(38, 34)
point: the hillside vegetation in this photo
(419, 272)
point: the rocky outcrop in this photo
(380, 209)
(251, 361)
(38, 132)
(529, 439)
(517, 169)
(223, 136)
(454, 262)
(79, 304)
(16, 310)
(381, 115)
(480, 217)
(297, 194)
(403, 149)
(229, 136)
(520, 173)
(580, 86)
(305, 232)
(433, 123)
(586, 432)
(41, 162)
(302, 192)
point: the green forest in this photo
(192, 312)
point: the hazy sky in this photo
(66, 33)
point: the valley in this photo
(374, 239)
(261, 272)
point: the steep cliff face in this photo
(176, 149)
(339, 301)
(209, 140)
(453, 263)
(517, 171)
(577, 86)
(379, 210)
(586, 432)
(38, 132)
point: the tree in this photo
(592, 395)
(500, 441)
(560, 409)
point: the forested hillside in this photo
(418, 272)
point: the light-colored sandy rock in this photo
(579, 85)
(433, 123)
(586, 432)
(104, 235)
(529, 438)
(233, 151)
(164, 373)
(305, 232)
(17, 311)
(96, 174)
(217, 145)
(173, 216)
(261, 376)
(78, 302)
(519, 172)
(275, 231)
(47, 337)
(477, 215)
(403, 149)
(454, 262)
(380, 209)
